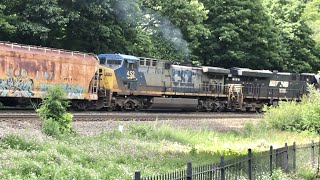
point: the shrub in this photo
(55, 119)
(293, 116)
(141, 131)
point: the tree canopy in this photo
(259, 34)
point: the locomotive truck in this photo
(125, 82)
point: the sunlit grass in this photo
(113, 155)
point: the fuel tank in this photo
(174, 103)
(28, 71)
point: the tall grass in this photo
(152, 149)
(299, 117)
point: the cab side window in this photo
(130, 65)
(103, 60)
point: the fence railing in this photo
(250, 166)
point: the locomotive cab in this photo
(125, 78)
(125, 69)
(310, 79)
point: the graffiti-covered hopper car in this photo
(28, 71)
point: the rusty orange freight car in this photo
(28, 71)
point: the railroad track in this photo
(143, 116)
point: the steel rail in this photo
(127, 116)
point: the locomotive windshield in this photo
(110, 62)
(114, 61)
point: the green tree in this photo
(35, 22)
(312, 17)
(55, 119)
(175, 27)
(295, 35)
(92, 26)
(7, 29)
(242, 35)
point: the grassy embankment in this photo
(152, 148)
(113, 155)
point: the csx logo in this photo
(131, 75)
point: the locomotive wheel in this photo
(127, 106)
(199, 108)
(233, 108)
(209, 109)
(259, 110)
(138, 107)
(219, 109)
(111, 107)
(81, 105)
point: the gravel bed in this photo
(32, 126)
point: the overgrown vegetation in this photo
(53, 113)
(299, 117)
(153, 149)
(307, 174)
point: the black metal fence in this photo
(251, 166)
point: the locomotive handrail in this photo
(30, 47)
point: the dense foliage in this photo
(242, 35)
(299, 117)
(53, 113)
(260, 34)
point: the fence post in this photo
(137, 175)
(318, 154)
(286, 158)
(223, 176)
(211, 171)
(294, 157)
(189, 171)
(312, 153)
(249, 164)
(271, 151)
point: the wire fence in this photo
(289, 159)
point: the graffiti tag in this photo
(44, 75)
(17, 83)
(72, 91)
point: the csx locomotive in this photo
(124, 82)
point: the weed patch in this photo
(297, 117)
(18, 143)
